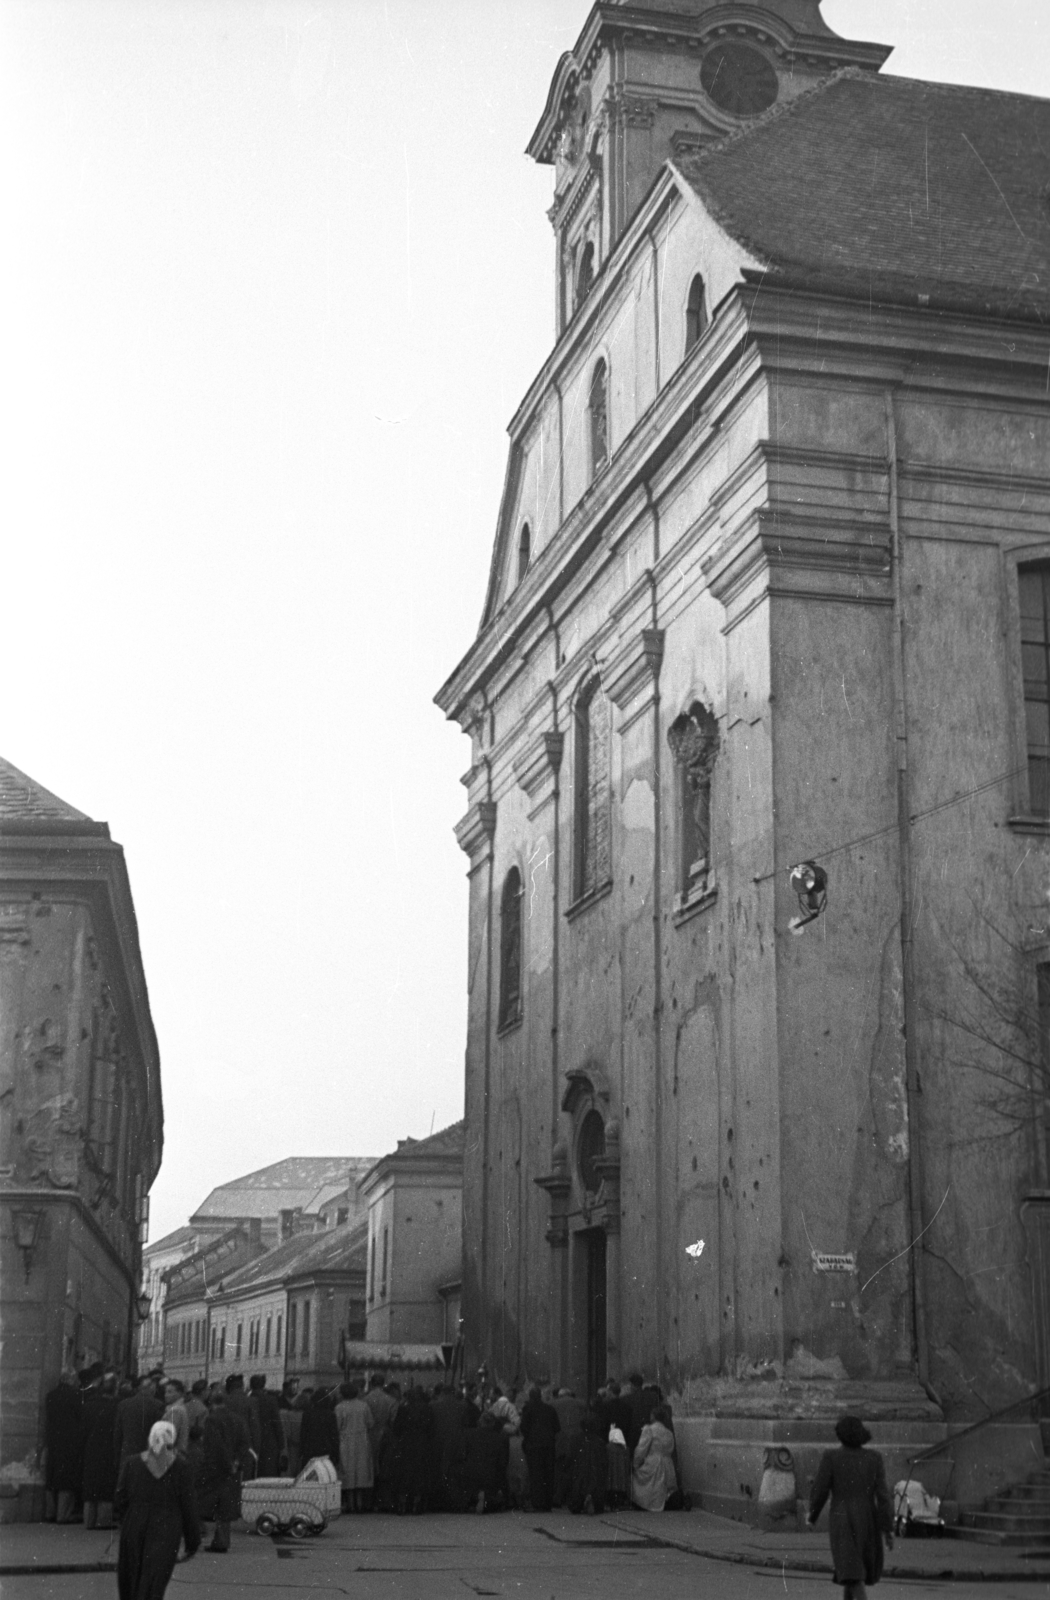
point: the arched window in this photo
(693, 738)
(510, 950)
(591, 853)
(598, 412)
(524, 550)
(585, 273)
(695, 313)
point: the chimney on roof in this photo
(255, 1244)
(287, 1224)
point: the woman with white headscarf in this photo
(158, 1509)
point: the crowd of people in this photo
(396, 1450)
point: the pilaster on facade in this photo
(631, 678)
(476, 831)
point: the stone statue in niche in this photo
(693, 738)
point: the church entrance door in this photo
(596, 1308)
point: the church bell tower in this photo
(649, 80)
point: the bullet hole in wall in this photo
(729, 1135)
(756, 1183)
(694, 1163)
(730, 1163)
(725, 1185)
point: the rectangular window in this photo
(1034, 591)
(214, 1337)
(372, 1271)
(293, 1319)
(269, 1332)
(277, 1342)
(591, 858)
(306, 1328)
(386, 1259)
(222, 1345)
(238, 1337)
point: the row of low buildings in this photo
(278, 1272)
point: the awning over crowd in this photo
(364, 1355)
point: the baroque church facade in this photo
(770, 590)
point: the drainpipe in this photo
(486, 1142)
(904, 858)
(556, 888)
(658, 1002)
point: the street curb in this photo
(823, 1569)
(49, 1569)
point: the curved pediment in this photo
(561, 98)
(588, 1082)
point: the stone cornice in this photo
(540, 763)
(635, 669)
(31, 1197)
(774, 551)
(475, 831)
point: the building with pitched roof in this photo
(414, 1198)
(157, 1258)
(81, 1130)
(237, 1307)
(759, 713)
(301, 1193)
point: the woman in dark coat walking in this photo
(861, 1509)
(157, 1507)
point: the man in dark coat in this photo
(135, 1417)
(539, 1429)
(63, 1439)
(268, 1426)
(451, 1414)
(320, 1431)
(218, 1485)
(239, 1404)
(590, 1464)
(861, 1508)
(485, 1464)
(99, 1482)
(570, 1415)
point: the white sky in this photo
(276, 274)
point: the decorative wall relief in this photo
(47, 1144)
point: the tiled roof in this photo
(170, 1241)
(26, 804)
(890, 186)
(300, 1182)
(446, 1142)
(326, 1251)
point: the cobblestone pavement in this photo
(519, 1556)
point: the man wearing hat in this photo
(861, 1508)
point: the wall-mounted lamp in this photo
(27, 1231)
(810, 883)
(143, 1302)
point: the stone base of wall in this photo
(22, 1502)
(723, 1453)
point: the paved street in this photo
(520, 1555)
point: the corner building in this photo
(771, 584)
